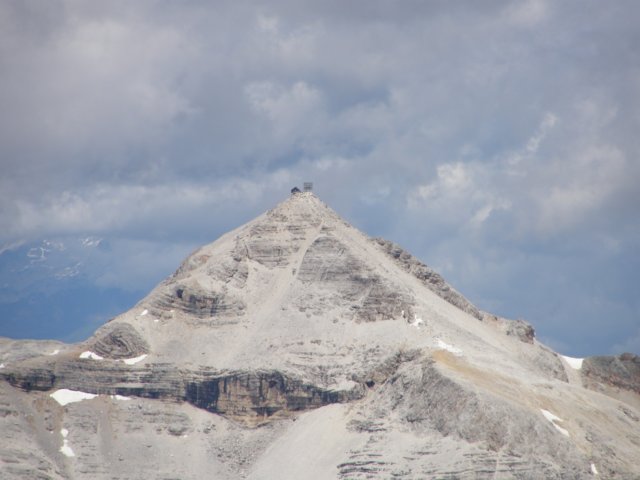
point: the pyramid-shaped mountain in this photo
(297, 347)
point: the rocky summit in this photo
(296, 347)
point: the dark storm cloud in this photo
(497, 140)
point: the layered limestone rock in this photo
(119, 340)
(297, 347)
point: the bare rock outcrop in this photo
(198, 303)
(119, 340)
(329, 265)
(622, 371)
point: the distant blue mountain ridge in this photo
(49, 289)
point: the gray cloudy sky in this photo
(496, 140)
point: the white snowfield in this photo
(90, 355)
(594, 470)
(65, 396)
(575, 363)
(129, 361)
(119, 397)
(554, 419)
(133, 361)
(55, 352)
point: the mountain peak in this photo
(306, 207)
(298, 315)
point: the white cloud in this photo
(109, 207)
(533, 144)
(107, 81)
(285, 107)
(526, 13)
(268, 23)
(293, 46)
(484, 212)
(580, 187)
(452, 180)
(461, 192)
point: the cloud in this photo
(527, 14)
(286, 110)
(141, 210)
(93, 83)
(479, 136)
(533, 143)
(585, 184)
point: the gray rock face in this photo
(251, 398)
(119, 340)
(621, 372)
(514, 328)
(327, 264)
(297, 347)
(198, 303)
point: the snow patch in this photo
(65, 449)
(343, 385)
(120, 397)
(133, 361)
(416, 321)
(155, 320)
(561, 430)
(449, 348)
(55, 352)
(91, 355)
(2, 365)
(575, 363)
(594, 470)
(144, 312)
(553, 419)
(550, 416)
(91, 242)
(65, 396)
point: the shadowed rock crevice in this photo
(253, 397)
